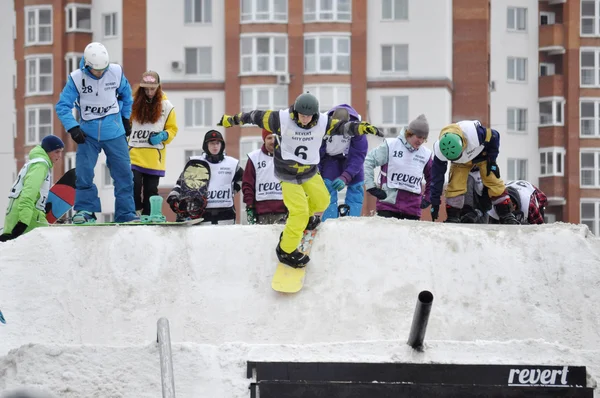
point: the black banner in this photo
(480, 375)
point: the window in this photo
(590, 169)
(38, 123)
(38, 25)
(394, 10)
(589, 17)
(330, 95)
(589, 116)
(517, 169)
(327, 11)
(263, 55)
(198, 11)
(264, 11)
(547, 18)
(517, 69)
(395, 110)
(79, 17)
(552, 162)
(517, 120)
(191, 152)
(38, 75)
(110, 25)
(546, 69)
(327, 55)
(198, 112)
(394, 58)
(107, 179)
(590, 215)
(590, 67)
(69, 160)
(516, 19)
(72, 60)
(198, 61)
(552, 111)
(264, 98)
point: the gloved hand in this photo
(378, 193)
(251, 215)
(367, 128)
(77, 135)
(338, 184)
(48, 207)
(425, 203)
(18, 229)
(127, 126)
(228, 121)
(174, 205)
(157, 138)
(492, 167)
(435, 212)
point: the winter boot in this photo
(453, 214)
(84, 217)
(504, 213)
(469, 215)
(295, 259)
(313, 222)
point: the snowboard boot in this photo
(84, 217)
(295, 259)
(469, 215)
(156, 215)
(313, 222)
(453, 214)
(505, 214)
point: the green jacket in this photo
(25, 204)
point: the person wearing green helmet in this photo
(299, 131)
(466, 144)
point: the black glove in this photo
(77, 135)
(127, 126)
(492, 167)
(48, 207)
(251, 215)
(378, 193)
(18, 229)
(425, 203)
(435, 212)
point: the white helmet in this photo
(96, 56)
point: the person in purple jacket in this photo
(341, 165)
(403, 161)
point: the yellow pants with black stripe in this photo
(302, 201)
(459, 173)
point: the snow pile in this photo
(82, 303)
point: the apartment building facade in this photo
(391, 59)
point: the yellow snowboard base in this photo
(289, 279)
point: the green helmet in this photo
(306, 104)
(451, 146)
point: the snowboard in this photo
(289, 279)
(2, 318)
(136, 223)
(61, 197)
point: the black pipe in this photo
(420, 319)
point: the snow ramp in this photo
(82, 303)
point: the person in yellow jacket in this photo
(154, 126)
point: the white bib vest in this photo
(473, 148)
(220, 185)
(301, 145)
(267, 186)
(140, 133)
(17, 187)
(525, 189)
(337, 145)
(98, 98)
(405, 168)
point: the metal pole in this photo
(420, 319)
(163, 338)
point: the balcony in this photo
(551, 86)
(552, 39)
